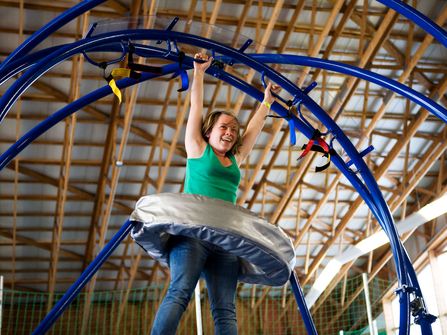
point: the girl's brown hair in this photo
(209, 122)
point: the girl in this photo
(215, 150)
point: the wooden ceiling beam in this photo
(400, 57)
(53, 91)
(144, 191)
(220, 83)
(277, 125)
(16, 162)
(105, 166)
(104, 203)
(347, 12)
(65, 164)
(144, 183)
(315, 49)
(52, 181)
(276, 128)
(252, 22)
(6, 233)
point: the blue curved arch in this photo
(62, 53)
(49, 28)
(393, 85)
(418, 18)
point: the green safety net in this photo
(260, 310)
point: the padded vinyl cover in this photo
(266, 253)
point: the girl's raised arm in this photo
(194, 142)
(256, 124)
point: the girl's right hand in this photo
(199, 66)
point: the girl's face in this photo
(224, 133)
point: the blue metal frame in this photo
(299, 297)
(368, 190)
(88, 273)
(33, 73)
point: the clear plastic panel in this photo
(216, 33)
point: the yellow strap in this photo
(120, 72)
(115, 89)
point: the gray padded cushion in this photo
(266, 253)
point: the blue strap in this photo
(292, 131)
(185, 80)
(291, 123)
(182, 73)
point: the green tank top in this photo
(207, 176)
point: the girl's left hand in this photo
(268, 96)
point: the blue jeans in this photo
(189, 258)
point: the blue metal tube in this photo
(50, 28)
(393, 85)
(440, 34)
(71, 108)
(418, 18)
(299, 297)
(404, 315)
(424, 318)
(21, 64)
(88, 273)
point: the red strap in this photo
(307, 149)
(323, 144)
